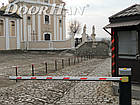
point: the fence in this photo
(46, 67)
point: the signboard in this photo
(124, 71)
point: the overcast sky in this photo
(96, 12)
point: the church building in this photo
(34, 31)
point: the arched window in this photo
(47, 36)
(1, 28)
(47, 19)
(12, 28)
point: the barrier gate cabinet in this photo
(125, 39)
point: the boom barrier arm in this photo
(69, 78)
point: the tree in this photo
(74, 27)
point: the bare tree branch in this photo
(74, 27)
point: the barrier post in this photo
(16, 72)
(81, 59)
(125, 87)
(69, 61)
(32, 69)
(78, 59)
(56, 65)
(74, 60)
(46, 66)
(62, 63)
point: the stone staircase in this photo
(86, 48)
(97, 48)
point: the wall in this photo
(12, 43)
(8, 42)
(2, 43)
(47, 45)
(97, 48)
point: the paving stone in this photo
(65, 92)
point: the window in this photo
(47, 19)
(47, 36)
(60, 22)
(12, 28)
(29, 19)
(1, 28)
(46, 1)
(128, 42)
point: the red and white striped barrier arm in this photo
(69, 78)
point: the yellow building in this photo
(38, 31)
(9, 31)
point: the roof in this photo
(123, 24)
(130, 11)
(7, 15)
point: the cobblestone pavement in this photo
(93, 93)
(62, 92)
